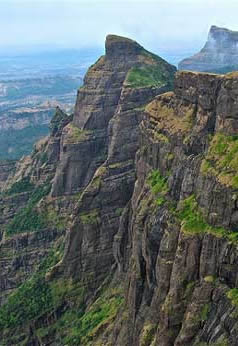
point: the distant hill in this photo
(219, 55)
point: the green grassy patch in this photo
(191, 217)
(232, 294)
(159, 186)
(82, 329)
(76, 134)
(193, 222)
(29, 219)
(31, 299)
(222, 160)
(205, 311)
(150, 75)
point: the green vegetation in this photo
(54, 219)
(193, 222)
(232, 294)
(205, 311)
(147, 335)
(222, 160)
(191, 217)
(32, 299)
(76, 134)
(99, 316)
(159, 186)
(90, 218)
(29, 219)
(150, 75)
(22, 185)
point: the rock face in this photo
(112, 78)
(178, 276)
(135, 213)
(6, 168)
(219, 55)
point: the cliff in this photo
(134, 198)
(220, 53)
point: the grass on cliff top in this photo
(154, 72)
(193, 222)
(221, 160)
(145, 76)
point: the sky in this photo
(167, 25)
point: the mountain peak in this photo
(220, 34)
(118, 45)
(219, 54)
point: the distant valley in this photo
(30, 89)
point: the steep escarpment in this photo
(181, 270)
(219, 55)
(77, 184)
(122, 227)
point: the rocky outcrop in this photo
(103, 156)
(220, 53)
(84, 143)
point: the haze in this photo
(170, 25)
